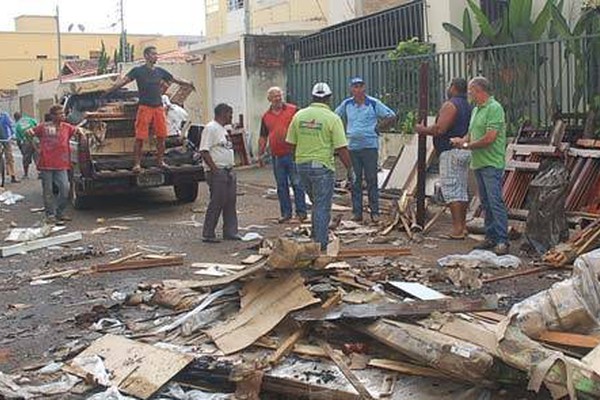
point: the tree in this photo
(103, 60)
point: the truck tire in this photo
(186, 192)
(78, 201)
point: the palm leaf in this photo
(468, 26)
(560, 23)
(541, 21)
(457, 33)
(482, 20)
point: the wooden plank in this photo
(125, 258)
(61, 274)
(137, 369)
(522, 166)
(592, 360)
(265, 303)
(406, 309)
(207, 265)
(526, 149)
(405, 368)
(569, 339)
(253, 259)
(341, 364)
(374, 252)
(24, 247)
(139, 264)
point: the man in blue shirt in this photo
(7, 132)
(362, 114)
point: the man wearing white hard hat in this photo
(315, 134)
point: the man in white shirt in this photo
(217, 153)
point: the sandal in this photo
(453, 237)
(137, 168)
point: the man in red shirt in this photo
(273, 129)
(55, 162)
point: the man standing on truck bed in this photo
(150, 109)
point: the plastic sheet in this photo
(174, 391)
(10, 389)
(480, 259)
(112, 393)
(94, 367)
(546, 221)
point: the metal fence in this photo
(376, 32)
(532, 80)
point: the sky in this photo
(172, 17)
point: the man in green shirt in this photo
(315, 134)
(487, 141)
(24, 124)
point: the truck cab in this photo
(102, 161)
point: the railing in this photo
(376, 32)
(533, 81)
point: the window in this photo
(70, 57)
(41, 56)
(233, 5)
(212, 6)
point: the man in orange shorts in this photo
(150, 109)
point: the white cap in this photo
(321, 89)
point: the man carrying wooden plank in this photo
(315, 134)
(487, 141)
(362, 114)
(453, 121)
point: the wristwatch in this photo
(465, 145)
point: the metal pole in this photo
(124, 56)
(247, 17)
(59, 63)
(422, 144)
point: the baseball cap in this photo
(355, 80)
(321, 89)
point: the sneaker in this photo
(302, 217)
(210, 240)
(284, 220)
(234, 237)
(63, 218)
(13, 179)
(501, 249)
(487, 244)
(375, 219)
(50, 220)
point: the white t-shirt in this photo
(216, 141)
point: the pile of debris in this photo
(302, 323)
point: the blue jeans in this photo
(285, 173)
(489, 183)
(365, 161)
(318, 181)
(60, 179)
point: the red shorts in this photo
(150, 116)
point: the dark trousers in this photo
(223, 185)
(365, 162)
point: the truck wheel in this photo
(186, 192)
(78, 201)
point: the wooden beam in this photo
(138, 264)
(406, 309)
(405, 368)
(341, 364)
(125, 258)
(24, 247)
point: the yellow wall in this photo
(267, 14)
(35, 23)
(19, 62)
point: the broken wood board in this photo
(592, 360)
(413, 308)
(125, 258)
(205, 265)
(24, 247)
(265, 302)
(137, 369)
(139, 264)
(373, 252)
(60, 274)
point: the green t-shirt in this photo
(488, 117)
(316, 131)
(22, 126)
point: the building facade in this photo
(31, 50)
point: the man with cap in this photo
(315, 134)
(362, 114)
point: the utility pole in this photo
(59, 47)
(125, 56)
(247, 17)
